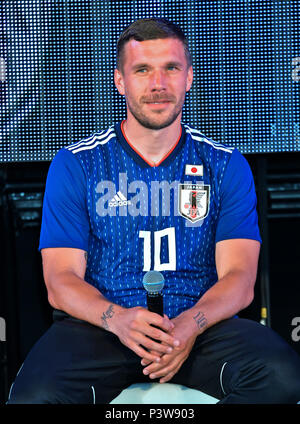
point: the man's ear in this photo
(190, 77)
(119, 82)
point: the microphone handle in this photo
(155, 303)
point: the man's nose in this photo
(158, 80)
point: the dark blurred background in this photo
(56, 86)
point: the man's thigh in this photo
(75, 362)
(242, 361)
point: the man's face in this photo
(154, 79)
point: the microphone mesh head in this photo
(153, 281)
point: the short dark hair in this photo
(151, 29)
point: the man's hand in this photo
(170, 363)
(236, 262)
(134, 328)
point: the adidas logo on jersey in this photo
(119, 200)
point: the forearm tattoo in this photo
(106, 316)
(85, 256)
(200, 320)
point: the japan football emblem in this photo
(193, 201)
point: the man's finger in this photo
(143, 353)
(168, 377)
(157, 334)
(158, 321)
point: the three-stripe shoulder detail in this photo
(198, 136)
(93, 141)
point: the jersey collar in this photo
(127, 146)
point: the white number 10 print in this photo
(158, 235)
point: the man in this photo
(104, 226)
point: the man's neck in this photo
(153, 145)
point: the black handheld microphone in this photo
(153, 282)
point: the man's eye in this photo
(141, 70)
(172, 68)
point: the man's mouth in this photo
(157, 102)
(159, 106)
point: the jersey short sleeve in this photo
(65, 221)
(238, 215)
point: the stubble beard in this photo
(152, 123)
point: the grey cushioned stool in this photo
(167, 393)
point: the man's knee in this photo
(26, 397)
(30, 393)
(269, 376)
(278, 369)
(284, 377)
(274, 379)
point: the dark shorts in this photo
(236, 361)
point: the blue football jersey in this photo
(103, 197)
